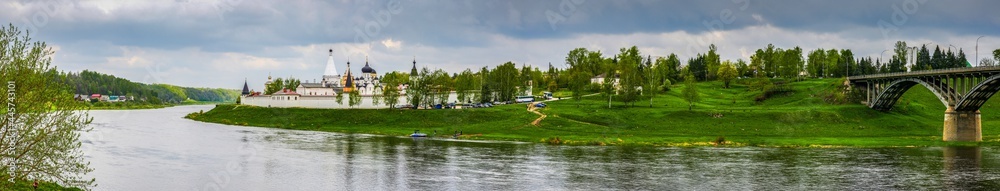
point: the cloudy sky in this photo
(219, 43)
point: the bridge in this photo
(962, 90)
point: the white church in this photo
(323, 94)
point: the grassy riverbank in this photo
(801, 117)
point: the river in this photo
(160, 150)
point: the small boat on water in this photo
(418, 134)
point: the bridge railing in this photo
(926, 72)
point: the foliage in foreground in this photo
(41, 122)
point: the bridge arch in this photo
(978, 95)
(892, 92)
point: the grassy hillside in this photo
(800, 117)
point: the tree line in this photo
(89, 82)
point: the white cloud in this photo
(392, 45)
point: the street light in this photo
(882, 56)
(977, 49)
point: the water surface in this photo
(160, 150)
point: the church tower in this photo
(246, 89)
(331, 78)
(348, 80)
(413, 71)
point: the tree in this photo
(41, 120)
(653, 81)
(578, 83)
(727, 72)
(757, 63)
(274, 86)
(742, 69)
(465, 83)
(831, 69)
(996, 54)
(354, 98)
(987, 62)
(505, 81)
(817, 63)
(937, 60)
(485, 85)
(417, 92)
(690, 91)
(442, 85)
(673, 67)
(291, 84)
(900, 58)
(696, 66)
(390, 90)
(923, 59)
(631, 70)
(340, 98)
(712, 63)
(847, 62)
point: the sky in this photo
(221, 43)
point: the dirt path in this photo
(537, 122)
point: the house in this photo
(112, 98)
(599, 79)
(315, 89)
(80, 97)
(95, 96)
(285, 94)
(105, 97)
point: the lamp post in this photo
(977, 49)
(882, 56)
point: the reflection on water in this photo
(962, 164)
(158, 150)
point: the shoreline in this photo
(587, 139)
(734, 117)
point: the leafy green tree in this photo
(354, 98)
(418, 91)
(832, 60)
(291, 84)
(41, 120)
(757, 63)
(465, 84)
(690, 91)
(486, 86)
(847, 62)
(742, 69)
(696, 66)
(996, 55)
(390, 89)
(653, 82)
(504, 80)
(631, 75)
(923, 59)
(578, 83)
(712, 62)
(727, 72)
(442, 86)
(340, 98)
(817, 63)
(275, 86)
(899, 60)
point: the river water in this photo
(160, 150)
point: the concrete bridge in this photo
(962, 90)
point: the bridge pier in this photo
(962, 125)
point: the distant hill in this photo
(90, 82)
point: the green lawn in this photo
(798, 118)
